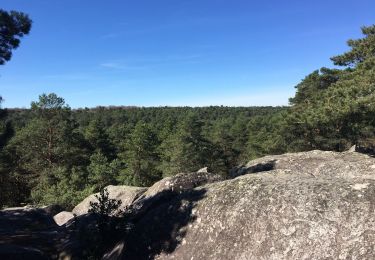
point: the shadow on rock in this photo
(160, 228)
(27, 234)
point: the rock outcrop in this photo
(310, 205)
(63, 217)
(319, 164)
(181, 182)
(28, 233)
(168, 188)
(126, 194)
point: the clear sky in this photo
(176, 52)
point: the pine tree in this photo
(102, 172)
(187, 150)
(98, 139)
(141, 157)
(341, 113)
(50, 141)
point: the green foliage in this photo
(13, 26)
(103, 232)
(53, 154)
(105, 206)
(49, 139)
(48, 143)
(141, 157)
(342, 112)
(309, 89)
(98, 138)
(187, 149)
(265, 135)
(361, 49)
(225, 144)
(61, 186)
(102, 172)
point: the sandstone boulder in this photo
(312, 205)
(126, 194)
(18, 219)
(182, 182)
(27, 233)
(314, 163)
(169, 187)
(63, 217)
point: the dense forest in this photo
(52, 154)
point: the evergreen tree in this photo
(102, 172)
(50, 139)
(13, 26)
(48, 142)
(186, 150)
(98, 139)
(224, 141)
(141, 157)
(361, 49)
(340, 114)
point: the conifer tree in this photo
(187, 150)
(141, 157)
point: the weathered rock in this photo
(204, 170)
(126, 194)
(352, 149)
(182, 182)
(32, 219)
(15, 252)
(53, 209)
(27, 233)
(169, 187)
(313, 205)
(315, 163)
(366, 146)
(63, 217)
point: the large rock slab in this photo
(18, 219)
(167, 188)
(28, 233)
(316, 163)
(126, 194)
(63, 217)
(313, 205)
(182, 182)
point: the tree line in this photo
(53, 154)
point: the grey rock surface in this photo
(169, 187)
(315, 163)
(182, 182)
(28, 233)
(126, 194)
(63, 217)
(311, 205)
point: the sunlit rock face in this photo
(63, 217)
(311, 205)
(126, 194)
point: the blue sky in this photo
(176, 52)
